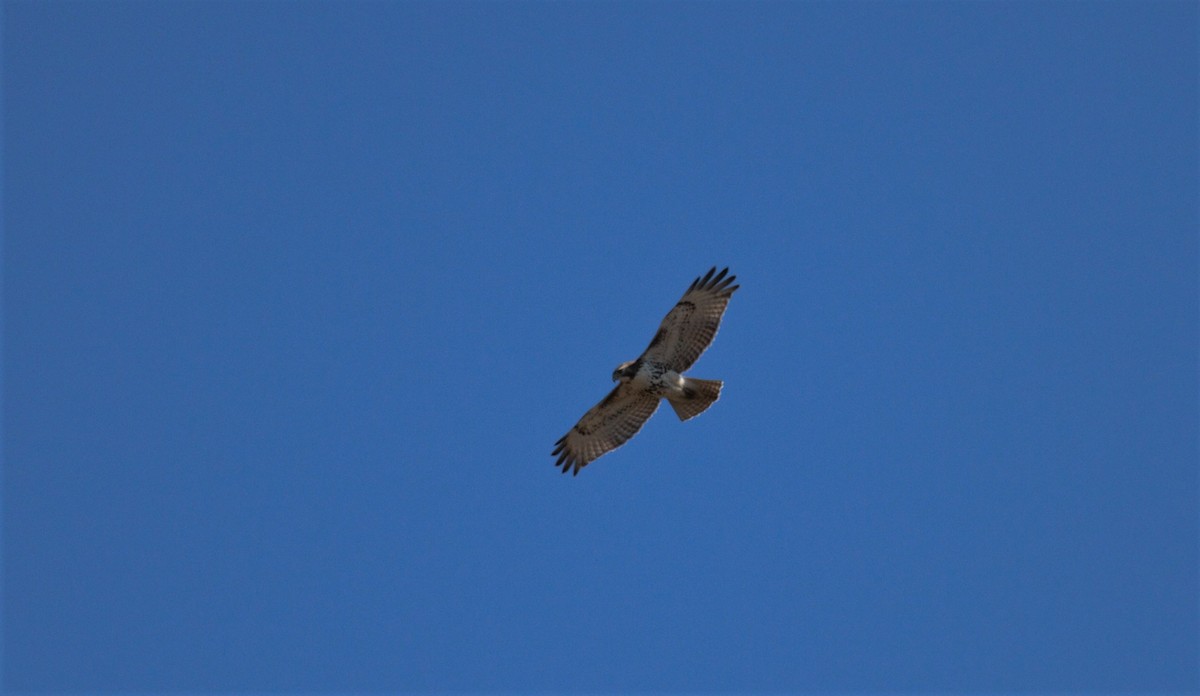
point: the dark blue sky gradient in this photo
(297, 298)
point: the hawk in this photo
(686, 331)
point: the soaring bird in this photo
(685, 332)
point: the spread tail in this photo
(698, 395)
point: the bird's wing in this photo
(692, 323)
(607, 426)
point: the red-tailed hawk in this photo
(686, 331)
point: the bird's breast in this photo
(657, 379)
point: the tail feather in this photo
(698, 395)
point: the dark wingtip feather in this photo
(701, 281)
(720, 283)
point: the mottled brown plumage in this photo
(684, 334)
(691, 325)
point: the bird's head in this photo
(624, 371)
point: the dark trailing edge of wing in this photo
(718, 283)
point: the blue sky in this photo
(297, 298)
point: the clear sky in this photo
(298, 297)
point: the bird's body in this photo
(686, 331)
(651, 377)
